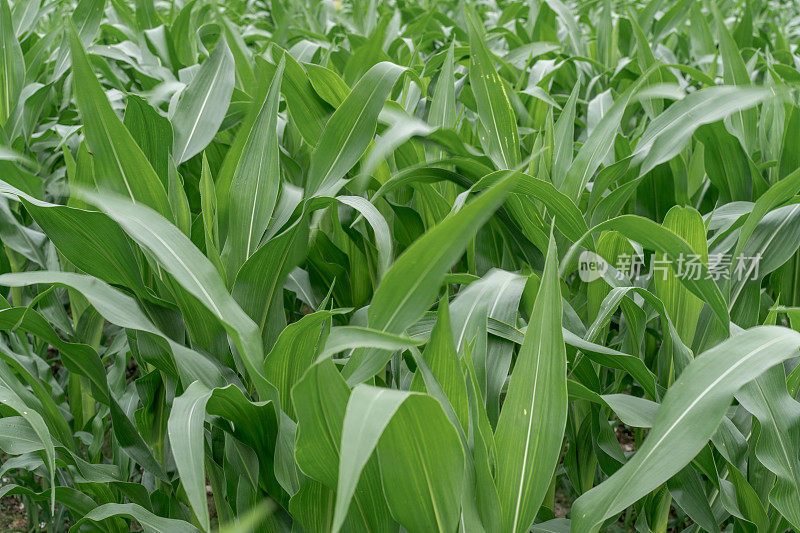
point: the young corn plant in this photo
(393, 266)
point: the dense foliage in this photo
(395, 266)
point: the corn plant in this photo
(300, 265)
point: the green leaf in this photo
(330, 87)
(185, 429)
(320, 397)
(777, 194)
(682, 306)
(195, 273)
(84, 361)
(152, 132)
(597, 147)
(662, 240)
(443, 108)
(567, 216)
(442, 358)
(398, 303)
(251, 423)
(735, 73)
(12, 69)
(86, 17)
(687, 418)
(569, 20)
(320, 400)
(208, 209)
(120, 165)
(241, 55)
(563, 137)
(150, 522)
(726, 163)
(258, 287)
(631, 410)
(350, 130)
(203, 104)
(178, 201)
(122, 310)
(420, 457)
(90, 240)
(348, 337)
(294, 351)
(418, 450)
(534, 413)
(9, 398)
(494, 106)
(779, 415)
(73, 499)
(18, 437)
(772, 243)
(666, 136)
(256, 181)
(308, 111)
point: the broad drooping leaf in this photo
(663, 240)
(688, 416)
(668, 133)
(90, 240)
(320, 400)
(253, 422)
(419, 454)
(192, 270)
(11, 400)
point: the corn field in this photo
(391, 266)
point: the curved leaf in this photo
(203, 104)
(687, 418)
